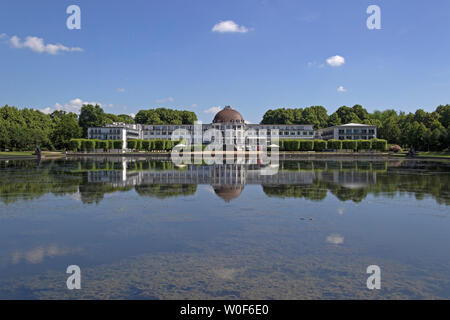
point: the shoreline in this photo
(284, 155)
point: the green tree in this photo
(91, 116)
(64, 128)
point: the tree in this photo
(125, 118)
(91, 116)
(444, 115)
(64, 128)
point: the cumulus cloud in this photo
(336, 61)
(213, 110)
(165, 100)
(335, 239)
(341, 89)
(229, 26)
(72, 106)
(38, 45)
(121, 90)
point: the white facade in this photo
(350, 131)
(234, 131)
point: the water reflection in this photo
(90, 179)
(153, 230)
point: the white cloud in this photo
(229, 26)
(37, 45)
(3, 35)
(72, 106)
(121, 90)
(132, 115)
(340, 211)
(213, 110)
(335, 239)
(341, 89)
(165, 100)
(336, 61)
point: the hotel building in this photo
(228, 121)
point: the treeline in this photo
(24, 129)
(422, 130)
(322, 145)
(165, 116)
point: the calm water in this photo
(145, 229)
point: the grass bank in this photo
(427, 155)
(28, 154)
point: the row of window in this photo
(358, 131)
(355, 137)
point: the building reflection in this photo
(227, 180)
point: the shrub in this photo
(160, 145)
(87, 145)
(334, 144)
(169, 145)
(395, 148)
(320, 145)
(306, 145)
(281, 143)
(90, 145)
(75, 145)
(292, 145)
(146, 144)
(101, 144)
(138, 145)
(379, 144)
(349, 144)
(131, 144)
(364, 145)
(118, 144)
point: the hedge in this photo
(75, 145)
(292, 145)
(379, 144)
(87, 145)
(349, 144)
(160, 144)
(146, 145)
(364, 144)
(131, 144)
(118, 144)
(320, 145)
(334, 144)
(281, 143)
(306, 145)
(138, 144)
(101, 144)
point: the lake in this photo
(147, 229)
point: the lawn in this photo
(442, 154)
(429, 154)
(26, 153)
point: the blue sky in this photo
(139, 54)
